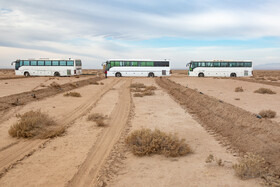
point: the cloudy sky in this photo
(178, 30)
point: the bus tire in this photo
(151, 75)
(27, 74)
(118, 74)
(56, 74)
(233, 75)
(201, 75)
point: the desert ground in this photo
(207, 113)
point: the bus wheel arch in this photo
(56, 74)
(151, 74)
(201, 74)
(26, 73)
(233, 75)
(118, 74)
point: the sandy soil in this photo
(223, 89)
(85, 154)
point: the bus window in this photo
(134, 63)
(33, 63)
(201, 64)
(224, 64)
(209, 64)
(117, 63)
(17, 65)
(55, 62)
(248, 64)
(41, 63)
(143, 64)
(26, 63)
(125, 63)
(21, 63)
(232, 64)
(240, 64)
(217, 64)
(48, 63)
(62, 63)
(150, 63)
(78, 63)
(70, 63)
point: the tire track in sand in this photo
(17, 152)
(88, 171)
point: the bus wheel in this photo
(201, 74)
(56, 74)
(26, 74)
(118, 74)
(151, 75)
(232, 75)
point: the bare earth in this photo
(87, 155)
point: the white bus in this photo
(216, 68)
(145, 68)
(48, 67)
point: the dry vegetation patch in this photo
(142, 90)
(99, 119)
(146, 142)
(239, 89)
(72, 94)
(250, 166)
(267, 113)
(34, 124)
(264, 91)
(55, 85)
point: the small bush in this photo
(72, 94)
(264, 91)
(42, 85)
(98, 119)
(237, 99)
(239, 89)
(148, 93)
(101, 83)
(150, 88)
(211, 159)
(74, 85)
(34, 124)
(55, 85)
(267, 113)
(146, 142)
(94, 83)
(137, 85)
(250, 166)
(138, 95)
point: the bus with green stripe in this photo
(137, 68)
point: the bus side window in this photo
(117, 63)
(142, 63)
(70, 63)
(224, 64)
(62, 63)
(26, 63)
(41, 63)
(21, 63)
(150, 63)
(217, 64)
(134, 63)
(33, 63)
(55, 63)
(48, 63)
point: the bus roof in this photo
(221, 61)
(138, 60)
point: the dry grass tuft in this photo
(138, 95)
(267, 113)
(74, 85)
(42, 85)
(94, 83)
(137, 85)
(98, 119)
(211, 159)
(239, 89)
(34, 124)
(146, 142)
(237, 99)
(264, 91)
(55, 85)
(72, 94)
(250, 166)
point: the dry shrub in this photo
(267, 113)
(137, 85)
(148, 93)
(146, 142)
(136, 89)
(239, 89)
(98, 119)
(264, 91)
(237, 99)
(42, 85)
(72, 94)
(73, 84)
(150, 88)
(250, 166)
(55, 85)
(34, 124)
(272, 79)
(94, 83)
(211, 159)
(138, 95)
(101, 83)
